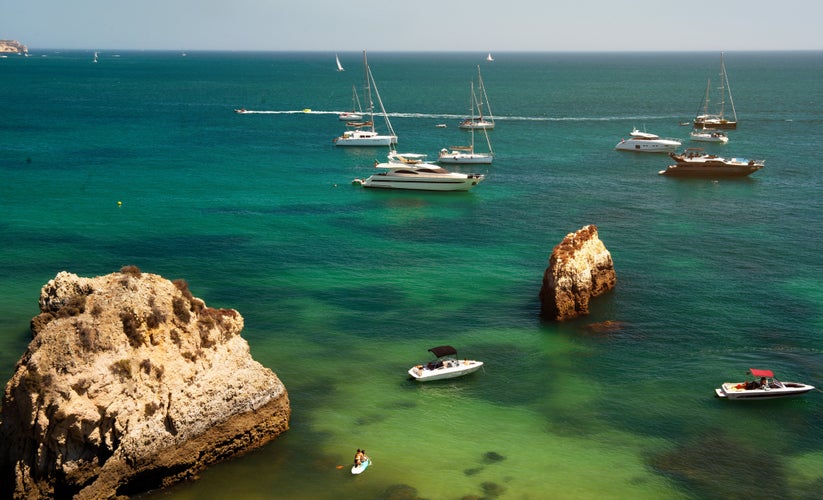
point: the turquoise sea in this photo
(343, 289)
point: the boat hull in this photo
(737, 391)
(422, 183)
(648, 146)
(710, 171)
(715, 124)
(476, 125)
(709, 138)
(456, 368)
(465, 158)
(365, 139)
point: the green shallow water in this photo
(343, 289)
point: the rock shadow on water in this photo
(720, 467)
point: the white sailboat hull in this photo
(465, 158)
(362, 138)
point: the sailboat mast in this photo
(367, 83)
(485, 97)
(380, 101)
(722, 87)
(726, 84)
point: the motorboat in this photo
(411, 171)
(709, 136)
(645, 142)
(694, 163)
(768, 387)
(444, 367)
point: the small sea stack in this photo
(580, 267)
(130, 383)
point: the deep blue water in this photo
(343, 289)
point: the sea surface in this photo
(140, 159)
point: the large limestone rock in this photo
(130, 383)
(580, 268)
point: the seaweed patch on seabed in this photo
(490, 457)
(720, 467)
(399, 492)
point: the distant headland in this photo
(12, 47)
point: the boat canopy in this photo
(443, 350)
(761, 373)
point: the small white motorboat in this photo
(709, 136)
(768, 387)
(445, 366)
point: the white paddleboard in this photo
(359, 469)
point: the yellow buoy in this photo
(119, 203)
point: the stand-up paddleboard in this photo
(358, 469)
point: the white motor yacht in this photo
(645, 142)
(411, 171)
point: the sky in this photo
(414, 25)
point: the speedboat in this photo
(445, 366)
(693, 163)
(768, 387)
(412, 171)
(645, 142)
(709, 136)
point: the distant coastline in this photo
(12, 47)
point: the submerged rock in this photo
(130, 383)
(580, 268)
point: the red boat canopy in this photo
(761, 373)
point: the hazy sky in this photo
(414, 25)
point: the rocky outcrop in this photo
(12, 47)
(130, 383)
(580, 268)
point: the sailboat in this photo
(489, 57)
(717, 120)
(365, 134)
(466, 154)
(95, 56)
(339, 66)
(479, 122)
(356, 113)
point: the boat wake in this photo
(442, 116)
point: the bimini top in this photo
(443, 350)
(761, 373)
